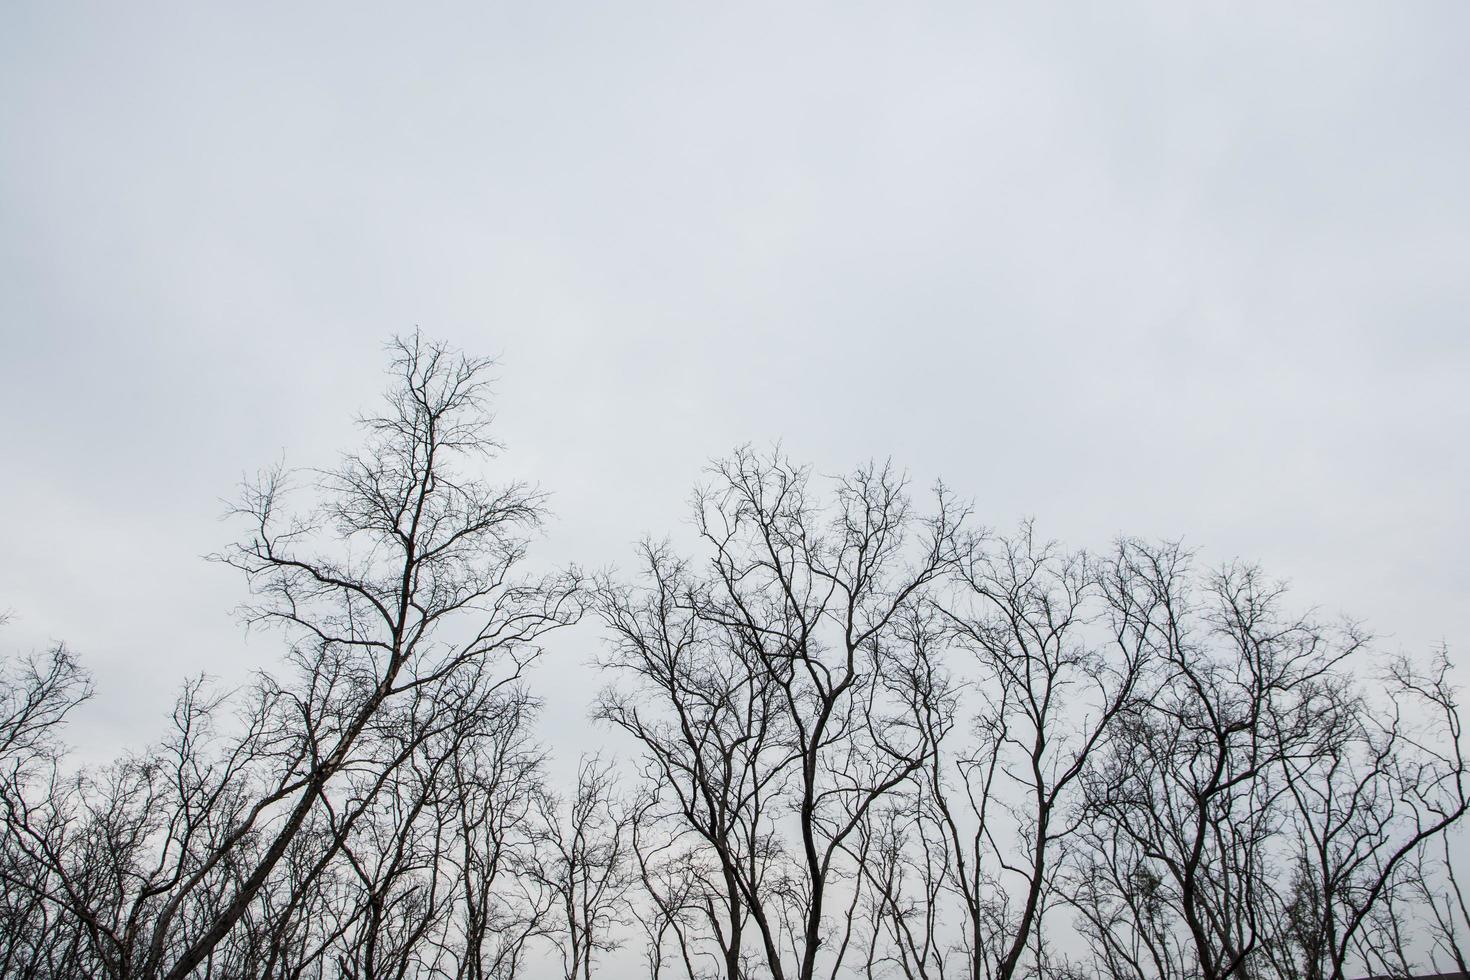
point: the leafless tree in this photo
(399, 589)
(684, 904)
(1436, 887)
(581, 856)
(1185, 805)
(1259, 812)
(905, 860)
(776, 695)
(869, 741)
(713, 757)
(1392, 779)
(36, 695)
(1046, 694)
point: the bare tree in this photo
(869, 742)
(709, 731)
(1185, 805)
(1392, 780)
(1436, 887)
(1258, 813)
(398, 589)
(581, 856)
(36, 695)
(684, 904)
(905, 860)
(1046, 694)
(495, 782)
(777, 695)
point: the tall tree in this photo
(400, 591)
(778, 693)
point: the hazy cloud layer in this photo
(1170, 270)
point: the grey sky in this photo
(1163, 269)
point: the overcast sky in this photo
(1173, 270)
